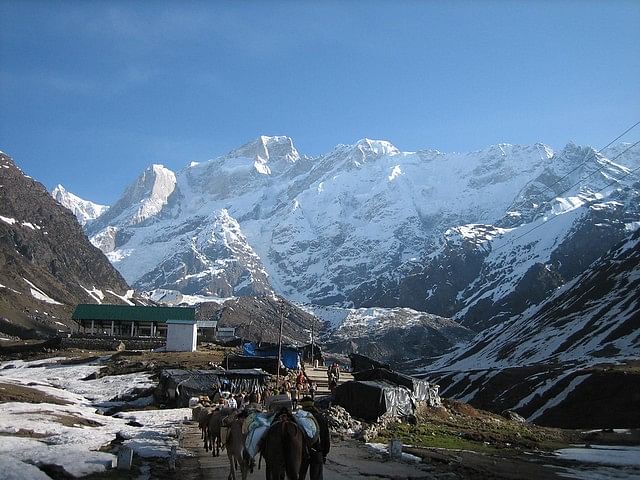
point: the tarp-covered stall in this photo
(244, 380)
(177, 386)
(268, 364)
(290, 355)
(422, 390)
(369, 400)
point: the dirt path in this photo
(348, 460)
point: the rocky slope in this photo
(546, 363)
(257, 319)
(389, 335)
(47, 264)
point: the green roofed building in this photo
(131, 321)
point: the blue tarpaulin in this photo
(290, 355)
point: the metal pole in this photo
(280, 346)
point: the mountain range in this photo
(476, 236)
(492, 255)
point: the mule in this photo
(235, 450)
(214, 427)
(283, 448)
(202, 415)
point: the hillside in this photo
(570, 360)
(47, 264)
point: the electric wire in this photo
(631, 172)
(588, 156)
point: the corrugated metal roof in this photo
(136, 314)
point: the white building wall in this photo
(182, 337)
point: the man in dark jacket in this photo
(318, 451)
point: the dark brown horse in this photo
(283, 448)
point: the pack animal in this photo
(201, 415)
(214, 427)
(235, 450)
(283, 448)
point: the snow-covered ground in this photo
(606, 462)
(70, 435)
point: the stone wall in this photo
(112, 343)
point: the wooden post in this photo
(132, 324)
(92, 327)
(112, 328)
(313, 322)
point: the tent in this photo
(369, 400)
(422, 390)
(290, 355)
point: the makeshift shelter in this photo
(360, 362)
(290, 355)
(178, 386)
(422, 390)
(244, 380)
(369, 400)
(268, 364)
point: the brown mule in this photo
(283, 448)
(235, 450)
(214, 427)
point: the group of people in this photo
(297, 385)
(224, 398)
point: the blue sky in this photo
(93, 92)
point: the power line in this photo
(588, 155)
(631, 172)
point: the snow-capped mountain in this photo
(550, 354)
(482, 274)
(362, 224)
(84, 210)
(390, 335)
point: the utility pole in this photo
(313, 323)
(280, 345)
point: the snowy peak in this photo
(84, 210)
(142, 200)
(152, 188)
(267, 153)
(367, 149)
